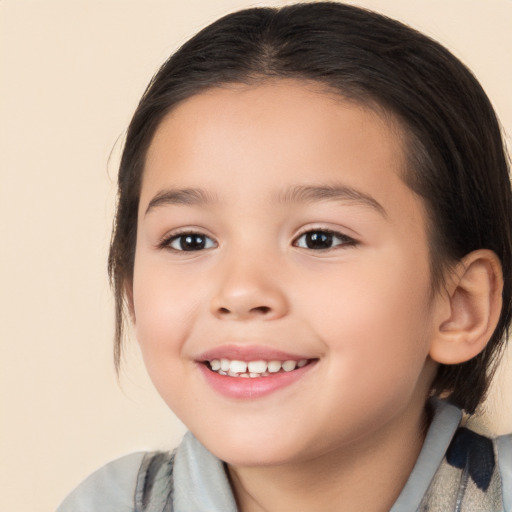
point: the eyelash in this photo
(319, 235)
(167, 242)
(344, 240)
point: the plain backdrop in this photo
(71, 73)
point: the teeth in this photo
(257, 366)
(238, 366)
(274, 366)
(253, 369)
(288, 366)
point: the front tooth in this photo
(238, 366)
(257, 366)
(274, 366)
(224, 365)
(215, 365)
(288, 366)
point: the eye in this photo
(189, 242)
(322, 240)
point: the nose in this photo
(248, 290)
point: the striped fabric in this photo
(467, 480)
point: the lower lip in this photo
(252, 387)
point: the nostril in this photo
(256, 311)
(261, 309)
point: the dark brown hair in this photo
(456, 156)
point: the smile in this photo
(250, 372)
(254, 369)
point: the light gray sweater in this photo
(456, 471)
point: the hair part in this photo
(456, 160)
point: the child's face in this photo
(303, 244)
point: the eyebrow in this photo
(312, 193)
(296, 194)
(184, 196)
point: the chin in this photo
(243, 452)
(254, 458)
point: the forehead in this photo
(240, 139)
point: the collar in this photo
(201, 483)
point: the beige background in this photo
(71, 74)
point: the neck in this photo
(367, 476)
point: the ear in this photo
(468, 312)
(128, 291)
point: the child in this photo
(313, 242)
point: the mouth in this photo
(256, 368)
(252, 371)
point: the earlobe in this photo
(470, 308)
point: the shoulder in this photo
(475, 469)
(504, 453)
(482, 456)
(112, 487)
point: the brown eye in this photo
(190, 242)
(321, 239)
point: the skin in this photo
(350, 429)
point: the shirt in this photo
(458, 470)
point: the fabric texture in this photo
(458, 470)
(110, 489)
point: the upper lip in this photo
(249, 353)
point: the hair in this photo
(456, 159)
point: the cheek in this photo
(165, 312)
(164, 308)
(374, 316)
